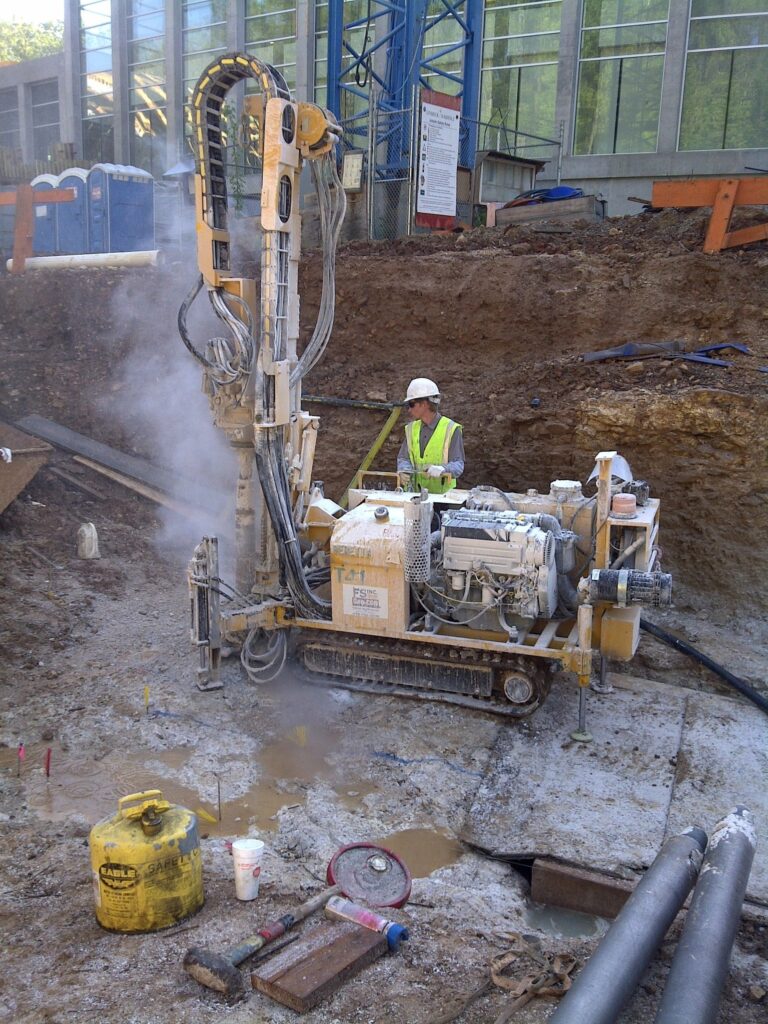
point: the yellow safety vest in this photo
(435, 454)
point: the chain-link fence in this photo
(391, 160)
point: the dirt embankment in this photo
(499, 321)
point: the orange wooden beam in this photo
(703, 192)
(24, 199)
(723, 195)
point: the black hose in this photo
(680, 645)
(182, 322)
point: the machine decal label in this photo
(372, 602)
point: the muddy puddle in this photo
(569, 924)
(424, 850)
(79, 785)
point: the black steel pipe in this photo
(699, 968)
(612, 973)
(351, 403)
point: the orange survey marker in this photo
(24, 199)
(722, 194)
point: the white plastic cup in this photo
(247, 854)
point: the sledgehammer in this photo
(220, 971)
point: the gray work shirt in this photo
(455, 464)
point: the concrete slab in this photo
(662, 758)
(723, 761)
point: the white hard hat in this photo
(422, 387)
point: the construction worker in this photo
(432, 454)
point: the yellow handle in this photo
(149, 798)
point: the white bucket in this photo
(247, 854)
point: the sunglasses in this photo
(413, 402)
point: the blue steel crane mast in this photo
(402, 30)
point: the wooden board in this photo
(315, 966)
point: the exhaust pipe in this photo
(700, 964)
(613, 972)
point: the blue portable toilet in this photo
(72, 217)
(44, 241)
(7, 220)
(121, 208)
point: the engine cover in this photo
(511, 550)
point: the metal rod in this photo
(698, 971)
(351, 403)
(613, 971)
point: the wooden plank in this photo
(720, 221)
(589, 892)
(144, 490)
(703, 191)
(23, 228)
(744, 236)
(316, 966)
(137, 469)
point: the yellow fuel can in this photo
(146, 865)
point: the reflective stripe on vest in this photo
(435, 453)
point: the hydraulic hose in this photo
(680, 645)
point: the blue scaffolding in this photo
(404, 47)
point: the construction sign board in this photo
(438, 160)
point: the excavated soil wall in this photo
(499, 322)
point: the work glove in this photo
(5, 454)
(435, 471)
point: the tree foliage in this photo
(21, 40)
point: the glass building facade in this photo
(521, 48)
(621, 66)
(725, 93)
(96, 81)
(615, 79)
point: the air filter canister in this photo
(417, 517)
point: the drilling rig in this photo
(469, 596)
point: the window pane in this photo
(701, 8)
(705, 100)
(596, 107)
(623, 12)
(269, 7)
(45, 92)
(522, 20)
(625, 41)
(146, 50)
(209, 38)
(146, 6)
(97, 60)
(639, 99)
(147, 74)
(97, 8)
(489, 4)
(272, 26)
(98, 140)
(499, 53)
(97, 85)
(206, 13)
(194, 66)
(98, 106)
(93, 38)
(9, 100)
(43, 140)
(713, 33)
(47, 113)
(147, 25)
(747, 126)
(275, 53)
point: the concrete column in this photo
(236, 25)
(305, 50)
(674, 70)
(72, 95)
(120, 83)
(568, 72)
(173, 87)
(23, 93)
